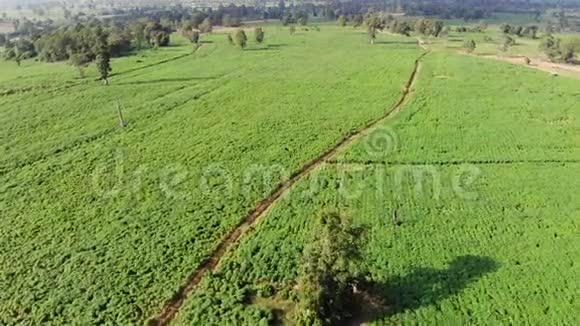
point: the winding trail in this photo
(211, 263)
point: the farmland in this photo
(462, 171)
(102, 224)
(471, 241)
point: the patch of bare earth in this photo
(6, 28)
(540, 64)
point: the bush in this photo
(469, 46)
(241, 39)
(259, 34)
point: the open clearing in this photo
(468, 193)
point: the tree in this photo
(400, 27)
(230, 39)
(372, 34)
(358, 21)
(292, 30)
(302, 18)
(241, 39)
(421, 26)
(551, 47)
(469, 46)
(103, 60)
(206, 26)
(3, 39)
(507, 43)
(138, 33)
(342, 21)
(80, 61)
(259, 34)
(329, 270)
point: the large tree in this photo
(329, 270)
(103, 60)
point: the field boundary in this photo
(452, 162)
(210, 264)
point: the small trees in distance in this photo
(259, 34)
(241, 39)
(551, 47)
(342, 21)
(206, 26)
(80, 61)
(358, 21)
(469, 46)
(192, 36)
(3, 39)
(372, 34)
(103, 60)
(507, 43)
(292, 30)
(230, 39)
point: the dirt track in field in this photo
(540, 64)
(211, 263)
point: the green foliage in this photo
(80, 61)
(240, 38)
(469, 45)
(342, 21)
(265, 291)
(459, 239)
(302, 18)
(206, 26)
(328, 271)
(3, 39)
(508, 42)
(259, 34)
(103, 60)
(560, 51)
(230, 21)
(429, 27)
(19, 50)
(191, 35)
(292, 30)
(400, 27)
(358, 21)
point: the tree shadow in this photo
(166, 80)
(206, 42)
(397, 42)
(277, 46)
(422, 287)
(261, 49)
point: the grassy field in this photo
(102, 224)
(481, 169)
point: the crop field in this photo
(487, 223)
(466, 190)
(102, 224)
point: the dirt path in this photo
(540, 64)
(211, 263)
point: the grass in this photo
(468, 195)
(488, 235)
(101, 224)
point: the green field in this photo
(102, 224)
(490, 225)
